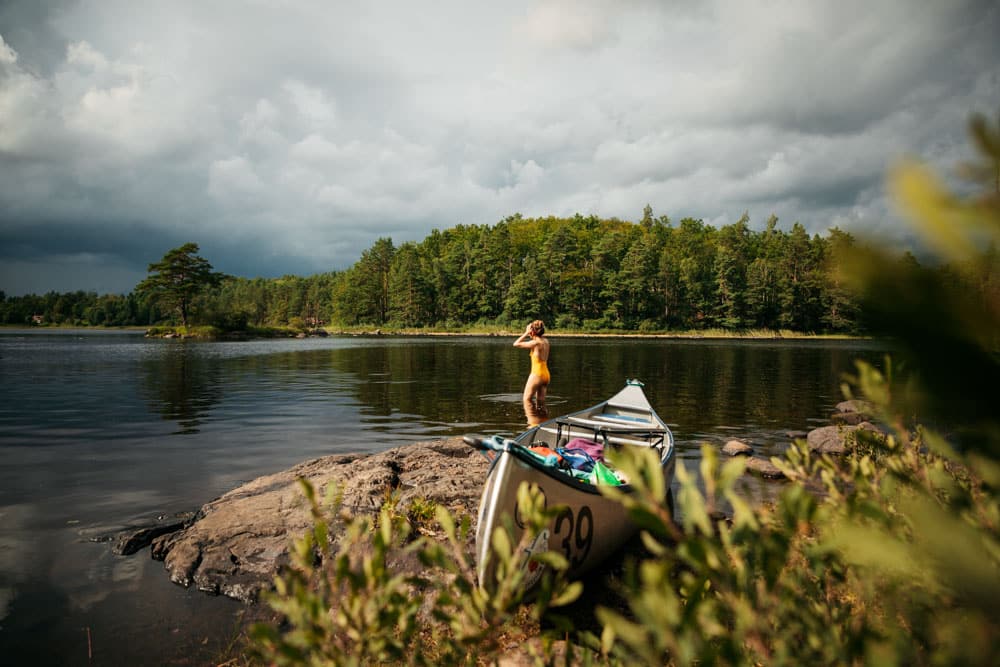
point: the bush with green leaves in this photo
(889, 555)
(350, 605)
(894, 561)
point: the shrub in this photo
(567, 321)
(892, 562)
(347, 606)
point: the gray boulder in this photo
(856, 405)
(852, 412)
(826, 440)
(764, 468)
(239, 542)
(737, 448)
(848, 418)
(838, 439)
(755, 464)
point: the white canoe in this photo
(591, 527)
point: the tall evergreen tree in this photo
(730, 268)
(763, 278)
(840, 310)
(178, 278)
(410, 293)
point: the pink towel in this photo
(594, 449)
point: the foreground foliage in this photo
(894, 561)
(348, 606)
(889, 556)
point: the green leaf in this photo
(568, 595)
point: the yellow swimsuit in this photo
(539, 368)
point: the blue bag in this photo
(578, 459)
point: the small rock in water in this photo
(855, 405)
(737, 448)
(848, 418)
(764, 468)
(826, 440)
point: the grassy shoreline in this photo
(210, 333)
(707, 334)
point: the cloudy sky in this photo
(285, 136)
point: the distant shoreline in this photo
(711, 334)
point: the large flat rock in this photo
(238, 542)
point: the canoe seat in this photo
(626, 420)
(586, 422)
(624, 408)
(567, 432)
(607, 422)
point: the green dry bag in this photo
(602, 475)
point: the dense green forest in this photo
(580, 273)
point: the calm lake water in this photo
(103, 430)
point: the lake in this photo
(102, 430)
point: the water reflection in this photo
(535, 411)
(182, 385)
(707, 390)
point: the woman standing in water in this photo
(534, 340)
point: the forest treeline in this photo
(583, 273)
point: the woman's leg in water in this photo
(540, 396)
(534, 400)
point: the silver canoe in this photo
(591, 527)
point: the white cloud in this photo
(7, 55)
(315, 127)
(316, 149)
(574, 24)
(22, 105)
(527, 174)
(310, 103)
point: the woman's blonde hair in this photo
(538, 328)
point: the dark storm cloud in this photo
(24, 242)
(285, 136)
(27, 24)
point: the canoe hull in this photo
(586, 532)
(589, 529)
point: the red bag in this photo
(546, 452)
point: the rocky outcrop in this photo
(239, 542)
(131, 541)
